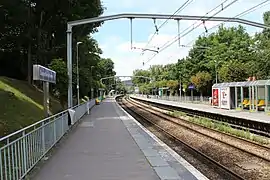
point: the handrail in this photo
(22, 150)
(30, 126)
(38, 122)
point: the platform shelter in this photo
(251, 95)
(162, 91)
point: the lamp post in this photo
(91, 82)
(180, 86)
(216, 64)
(78, 86)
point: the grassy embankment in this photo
(21, 105)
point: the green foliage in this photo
(60, 88)
(233, 71)
(21, 105)
(173, 85)
(201, 80)
(230, 53)
(34, 31)
(221, 126)
(140, 80)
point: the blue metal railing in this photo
(183, 99)
(23, 149)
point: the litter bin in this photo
(97, 101)
(210, 100)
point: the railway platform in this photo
(109, 144)
(252, 116)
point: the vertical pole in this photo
(92, 90)
(46, 98)
(43, 138)
(25, 152)
(178, 28)
(216, 72)
(256, 98)
(192, 95)
(180, 88)
(78, 85)
(69, 65)
(266, 98)
(242, 98)
(131, 41)
(252, 92)
(250, 97)
(236, 97)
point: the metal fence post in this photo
(18, 155)
(9, 164)
(62, 124)
(43, 138)
(1, 167)
(54, 129)
(24, 152)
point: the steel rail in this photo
(165, 116)
(225, 170)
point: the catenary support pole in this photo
(140, 16)
(69, 66)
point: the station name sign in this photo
(43, 74)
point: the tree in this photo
(140, 80)
(201, 80)
(260, 66)
(233, 71)
(60, 88)
(106, 69)
(33, 31)
(173, 85)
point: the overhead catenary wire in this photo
(193, 28)
(192, 25)
(250, 10)
(183, 6)
(170, 42)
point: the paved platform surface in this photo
(109, 144)
(254, 116)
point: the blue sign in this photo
(191, 86)
(43, 74)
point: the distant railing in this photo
(23, 149)
(183, 99)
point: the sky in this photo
(114, 36)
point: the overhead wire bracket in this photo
(155, 26)
(205, 27)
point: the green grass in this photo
(21, 105)
(222, 127)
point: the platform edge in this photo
(181, 160)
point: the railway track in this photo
(226, 172)
(237, 123)
(262, 152)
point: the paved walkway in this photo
(109, 144)
(254, 116)
(100, 148)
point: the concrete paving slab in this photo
(166, 173)
(110, 145)
(100, 148)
